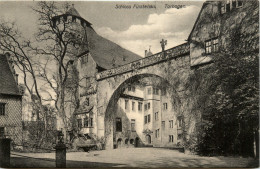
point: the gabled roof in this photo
(195, 24)
(7, 82)
(104, 51)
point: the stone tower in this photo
(74, 33)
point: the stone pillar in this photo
(60, 155)
(5, 152)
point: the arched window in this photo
(119, 142)
(126, 141)
(132, 141)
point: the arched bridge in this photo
(172, 65)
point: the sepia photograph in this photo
(129, 84)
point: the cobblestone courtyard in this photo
(131, 157)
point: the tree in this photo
(12, 42)
(47, 60)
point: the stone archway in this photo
(119, 143)
(111, 113)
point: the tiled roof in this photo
(105, 52)
(7, 82)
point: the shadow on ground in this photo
(22, 162)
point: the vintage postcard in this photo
(145, 84)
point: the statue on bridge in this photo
(163, 44)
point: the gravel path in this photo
(131, 157)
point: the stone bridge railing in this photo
(147, 61)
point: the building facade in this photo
(10, 102)
(144, 115)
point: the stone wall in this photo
(12, 120)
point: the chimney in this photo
(145, 53)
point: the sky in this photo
(136, 29)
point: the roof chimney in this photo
(145, 53)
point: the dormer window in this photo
(211, 46)
(215, 45)
(228, 5)
(208, 46)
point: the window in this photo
(179, 136)
(91, 122)
(239, 3)
(133, 88)
(156, 115)
(126, 104)
(163, 125)
(156, 91)
(145, 119)
(228, 6)
(211, 45)
(165, 107)
(2, 109)
(132, 124)
(129, 88)
(163, 91)
(2, 132)
(86, 122)
(234, 3)
(149, 118)
(133, 106)
(79, 123)
(180, 121)
(140, 105)
(73, 19)
(223, 8)
(208, 46)
(149, 91)
(148, 106)
(118, 125)
(215, 45)
(171, 123)
(157, 133)
(171, 138)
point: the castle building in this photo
(144, 113)
(10, 102)
(93, 54)
(145, 117)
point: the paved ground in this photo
(131, 157)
